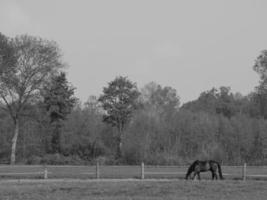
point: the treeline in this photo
(42, 122)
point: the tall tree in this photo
(7, 55)
(58, 100)
(260, 65)
(260, 97)
(36, 59)
(119, 100)
(163, 99)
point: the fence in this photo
(121, 172)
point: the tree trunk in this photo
(14, 143)
(119, 147)
(56, 146)
(119, 143)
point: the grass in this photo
(89, 172)
(136, 190)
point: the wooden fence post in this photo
(97, 170)
(142, 170)
(45, 173)
(244, 172)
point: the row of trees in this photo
(41, 121)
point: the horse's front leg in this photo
(213, 175)
(216, 176)
(194, 176)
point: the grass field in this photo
(121, 189)
(89, 172)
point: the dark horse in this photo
(204, 166)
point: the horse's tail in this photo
(191, 169)
(220, 171)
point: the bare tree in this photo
(36, 60)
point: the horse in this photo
(203, 166)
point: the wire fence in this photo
(141, 171)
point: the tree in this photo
(216, 101)
(226, 102)
(162, 99)
(260, 97)
(58, 100)
(260, 65)
(207, 102)
(82, 131)
(7, 55)
(119, 100)
(35, 61)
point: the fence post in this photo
(45, 173)
(244, 171)
(142, 170)
(97, 170)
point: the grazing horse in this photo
(204, 166)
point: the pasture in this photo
(122, 172)
(124, 182)
(132, 189)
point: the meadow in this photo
(26, 182)
(132, 189)
(121, 172)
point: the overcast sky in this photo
(189, 45)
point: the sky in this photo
(189, 45)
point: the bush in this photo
(106, 160)
(56, 159)
(34, 160)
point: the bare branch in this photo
(8, 106)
